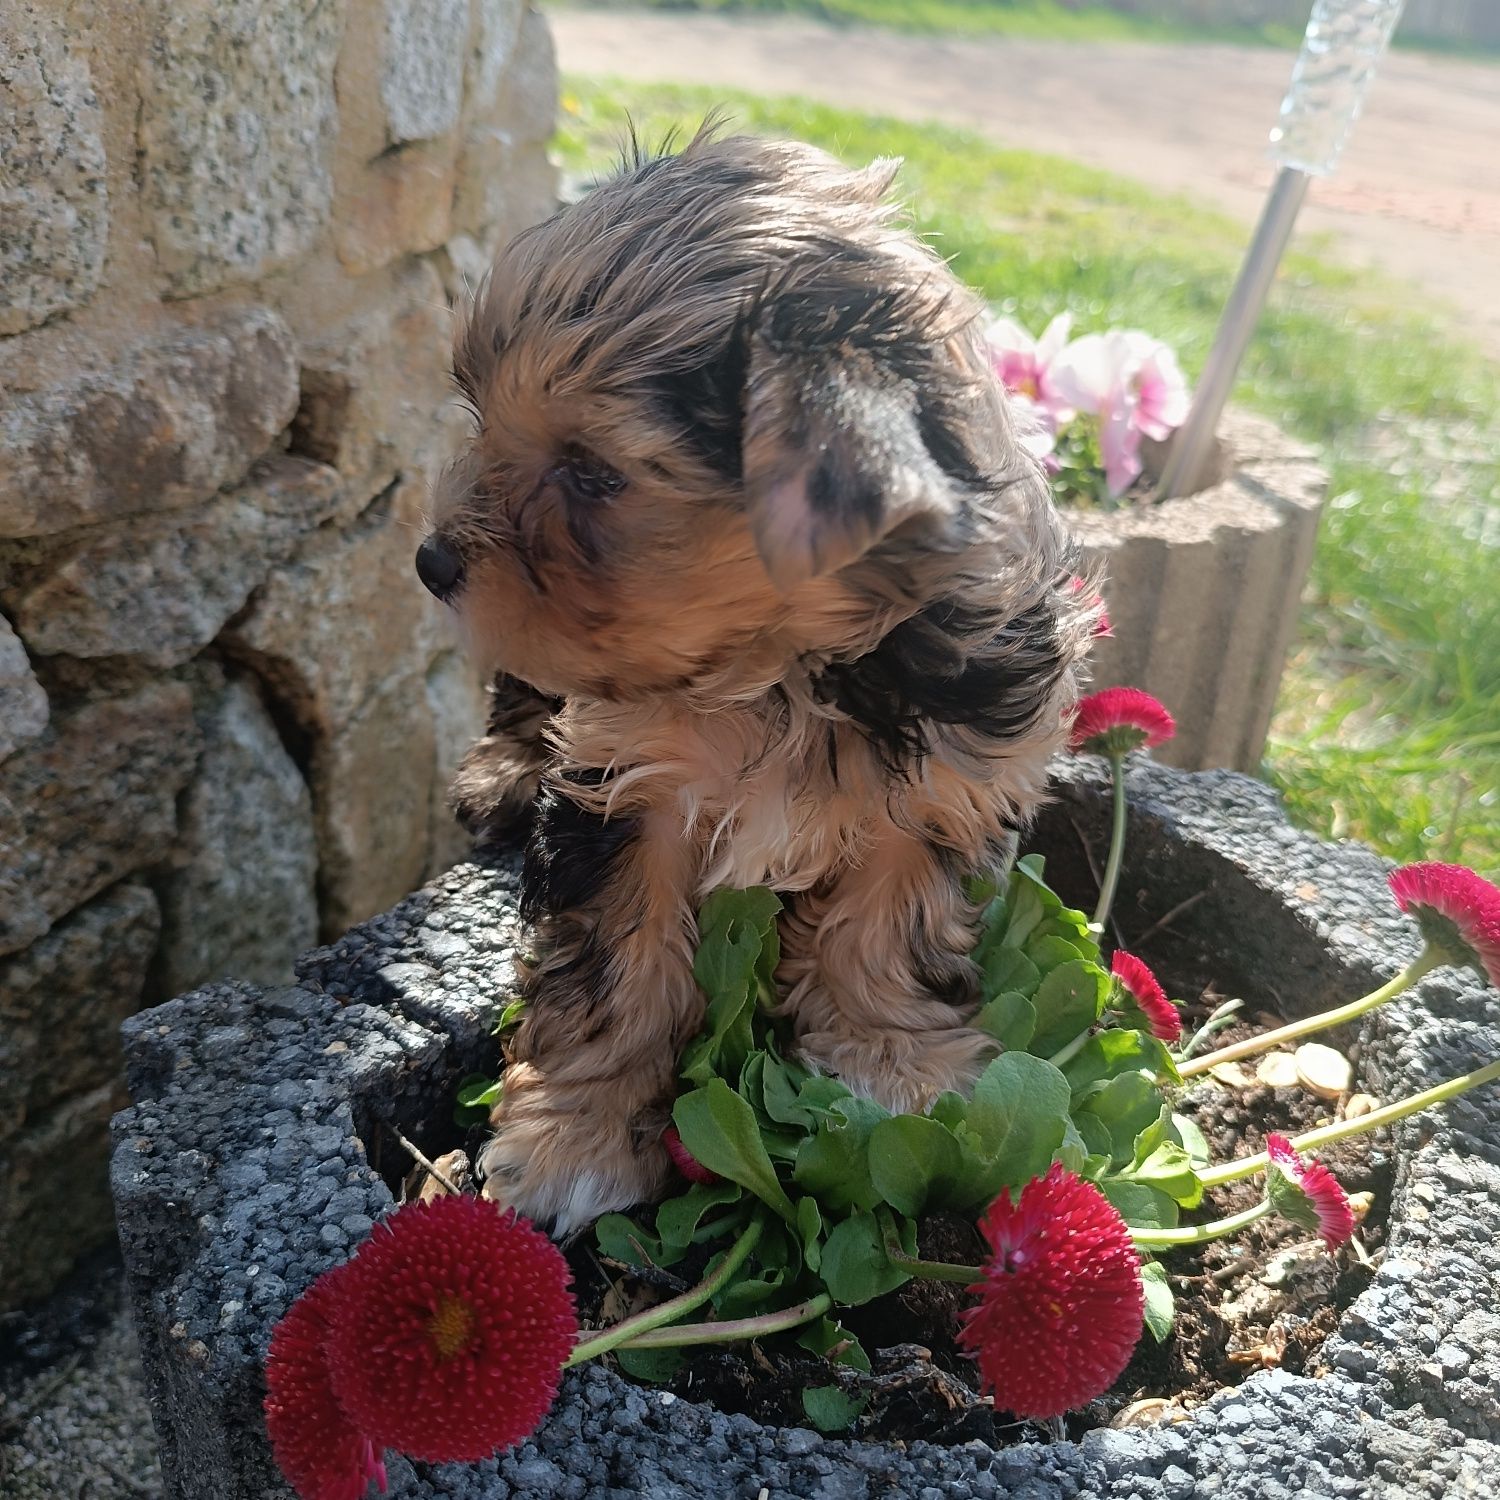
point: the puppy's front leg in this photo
(610, 1002)
(498, 779)
(879, 983)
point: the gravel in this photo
(254, 1152)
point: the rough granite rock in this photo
(23, 702)
(252, 1160)
(422, 80)
(181, 416)
(497, 27)
(237, 124)
(162, 588)
(244, 904)
(63, 999)
(54, 210)
(91, 801)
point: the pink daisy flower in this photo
(1144, 992)
(1457, 910)
(1307, 1193)
(1061, 1304)
(686, 1163)
(1118, 720)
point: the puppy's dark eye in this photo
(587, 478)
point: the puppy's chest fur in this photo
(767, 793)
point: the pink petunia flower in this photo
(1145, 993)
(1458, 911)
(1024, 364)
(1307, 1193)
(1061, 1303)
(1132, 384)
(1034, 429)
(1118, 720)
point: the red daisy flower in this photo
(1118, 720)
(448, 1331)
(1102, 627)
(1147, 996)
(1307, 1194)
(686, 1163)
(1458, 911)
(1061, 1304)
(319, 1450)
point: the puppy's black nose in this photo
(439, 566)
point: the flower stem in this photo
(1200, 1234)
(736, 1328)
(1067, 1053)
(1326, 1135)
(931, 1270)
(1424, 961)
(629, 1329)
(1116, 846)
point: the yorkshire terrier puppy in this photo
(775, 596)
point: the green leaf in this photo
(820, 1094)
(1010, 1018)
(477, 1095)
(1068, 1001)
(810, 1227)
(1141, 1206)
(1111, 1052)
(748, 1297)
(1010, 969)
(1125, 1106)
(1169, 1169)
(914, 1161)
(1160, 1308)
(677, 1219)
(829, 1409)
(735, 928)
(1019, 1115)
(622, 1239)
(1048, 952)
(856, 1268)
(826, 1335)
(834, 1164)
(950, 1109)
(510, 1016)
(1191, 1139)
(1025, 911)
(656, 1366)
(720, 1130)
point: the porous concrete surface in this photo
(248, 1165)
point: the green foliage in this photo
(1387, 726)
(847, 1180)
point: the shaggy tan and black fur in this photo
(775, 596)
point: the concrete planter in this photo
(1204, 591)
(253, 1155)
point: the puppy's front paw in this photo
(902, 1070)
(562, 1157)
(495, 786)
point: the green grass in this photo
(1045, 19)
(1389, 727)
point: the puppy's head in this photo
(703, 395)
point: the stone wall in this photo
(1454, 22)
(230, 235)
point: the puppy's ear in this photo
(834, 458)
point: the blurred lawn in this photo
(1054, 20)
(1389, 724)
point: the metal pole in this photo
(1194, 442)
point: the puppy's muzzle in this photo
(439, 567)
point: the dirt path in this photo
(1417, 193)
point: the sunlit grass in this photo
(1389, 727)
(1049, 20)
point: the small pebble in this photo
(1323, 1071)
(1359, 1104)
(1277, 1070)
